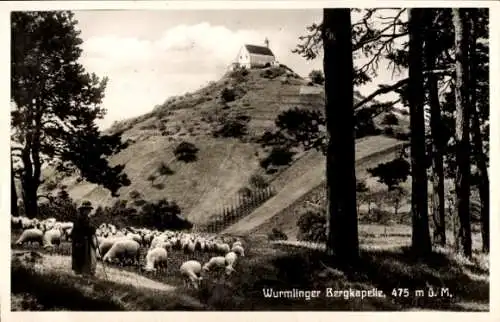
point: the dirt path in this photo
(58, 263)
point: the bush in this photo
(279, 156)
(134, 194)
(389, 131)
(245, 192)
(235, 127)
(186, 152)
(272, 72)
(228, 95)
(239, 74)
(364, 124)
(165, 170)
(390, 119)
(317, 77)
(277, 234)
(312, 227)
(258, 181)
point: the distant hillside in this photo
(224, 165)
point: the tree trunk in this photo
(462, 134)
(421, 243)
(342, 227)
(482, 168)
(438, 203)
(14, 210)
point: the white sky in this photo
(151, 55)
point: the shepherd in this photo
(83, 255)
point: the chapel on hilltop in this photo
(253, 56)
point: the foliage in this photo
(312, 227)
(317, 77)
(390, 119)
(272, 72)
(134, 194)
(245, 192)
(277, 234)
(60, 206)
(165, 170)
(186, 151)
(391, 173)
(56, 105)
(228, 95)
(396, 196)
(258, 181)
(279, 156)
(232, 126)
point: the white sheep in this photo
(215, 262)
(52, 237)
(222, 248)
(230, 262)
(238, 249)
(30, 236)
(105, 245)
(191, 271)
(123, 249)
(156, 257)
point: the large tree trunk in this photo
(14, 210)
(482, 168)
(342, 227)
(438, 205)
(464, 242)
(421, 242)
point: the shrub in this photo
(277, 234)
(364, 124)
(258, 181)
(186, 152)
(165, 170)
(151, 178)
(317, 77)
(228, 95)
(390, 119)
(272, 72)
(245, 192)
(279, 156)
(239, 74)
(312, 227)
(134, 194)
(235, 127)
(389, 131)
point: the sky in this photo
(149, 56)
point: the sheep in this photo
(135, 237)
(157, 241)
(236, 243)
(217, 262)
(52, 237)
(156, 257)
(230, 262)
(123, 249)
(238, 249)
(105, 244)
(222, 248)
(191, 271)
(30, 236)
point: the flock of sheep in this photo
(122, 246)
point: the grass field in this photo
(385, 264)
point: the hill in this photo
(224, 164)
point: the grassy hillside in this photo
(224, 165)
(302, 183)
